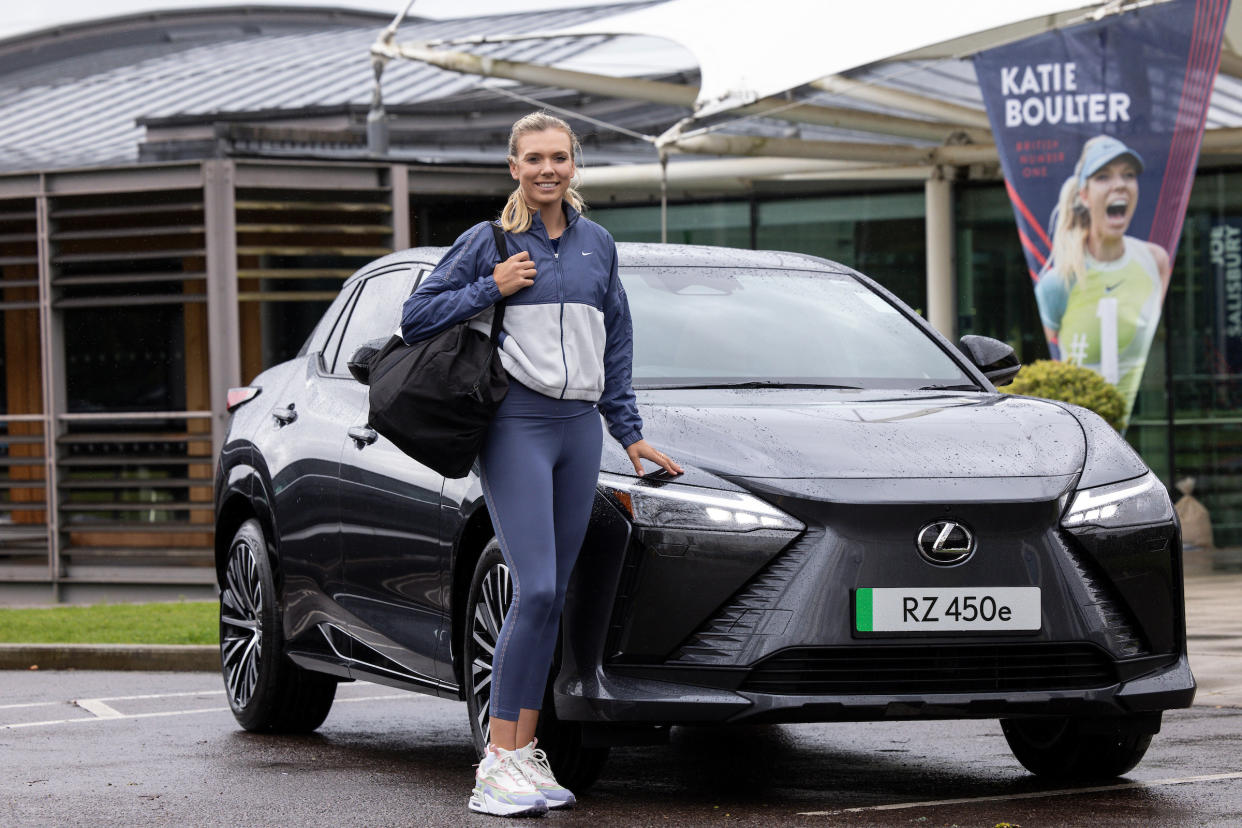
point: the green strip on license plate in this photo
(862, 609)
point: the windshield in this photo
(696, 326)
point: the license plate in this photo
(914, 609)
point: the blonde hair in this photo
(1072, 223)
(516, 217)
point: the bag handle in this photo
(498, 315)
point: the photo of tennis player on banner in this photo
(1100, 292)
(1098, 127)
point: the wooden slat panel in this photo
(125, 279)
(125, 460)
(133, 232)
(287, 273)
(190, 552)
(356, 229)
(288, 296)
(128, 506)
(124, 256)
(131, 437)
(132, 210)
(315, 206)
(132, 482)
(313, 250)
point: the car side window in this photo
(334, 326)
(375, 314)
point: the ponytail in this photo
(1071, 224)
(516, 217)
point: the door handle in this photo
(284, 416)
(363, 435)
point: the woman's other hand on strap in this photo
(514, 273)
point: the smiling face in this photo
(543, 166)
(1111, 196)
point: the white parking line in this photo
(113, 718)
(102, 712)
(1155, 783)
(30, 704)
(100, 709)
(161, 695)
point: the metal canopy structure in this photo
(844, 104)
(733, 45)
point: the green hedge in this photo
(1072, 384)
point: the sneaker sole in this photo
(494, 807)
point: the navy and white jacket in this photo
(567, 336)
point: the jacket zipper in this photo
(560, 297)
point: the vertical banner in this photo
(1098, 127)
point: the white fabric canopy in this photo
(752, 49)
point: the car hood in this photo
(775, 437)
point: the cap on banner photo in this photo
(1098, 129)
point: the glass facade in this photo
(878, 234)
(1203, 316)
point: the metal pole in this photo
(941, 303)
(51, 360)
(223, 325)
(399, 180)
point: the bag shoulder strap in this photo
(502, 250)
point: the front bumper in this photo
(614, 697)
(1112, 642)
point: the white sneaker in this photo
(502, 789)
(534, 763)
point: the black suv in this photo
(866, 530)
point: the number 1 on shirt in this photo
(1106, 312)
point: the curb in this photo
(169, 657)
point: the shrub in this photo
(1072, 384)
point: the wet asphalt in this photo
(134, 748)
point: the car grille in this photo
(922, 669)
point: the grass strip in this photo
(181, 622)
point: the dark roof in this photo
(84, 95)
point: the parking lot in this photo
(112, 748)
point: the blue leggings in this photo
(540, 467)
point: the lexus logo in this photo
(945, 543)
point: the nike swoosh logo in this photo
(1111, 288)
(587, 252)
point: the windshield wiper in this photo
(771, 384)
(948, 388)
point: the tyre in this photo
(267, 691)
(491, 591)
(1065, 748)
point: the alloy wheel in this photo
(495, 595)
(241, 623)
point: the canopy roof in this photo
(747, 51)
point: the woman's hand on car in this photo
(642, 450)
(514, 273)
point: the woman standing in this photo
(566, 345)
(1100, 295)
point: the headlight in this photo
(1130, 503)
(675, 506)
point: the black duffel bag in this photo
(434, 399)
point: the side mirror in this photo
(360, 363)
(994, 358)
